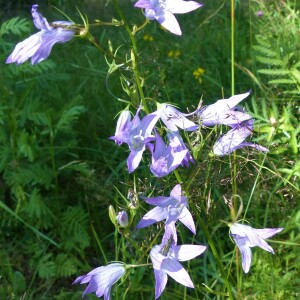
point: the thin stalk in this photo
(134, 58)
(214, 252)
(234, 163)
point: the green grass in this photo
(59, 172)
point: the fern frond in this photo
(263, 42)
(16, 26)
(270, 61)
(264, 50)
(274, 72)
(65, 266)
(68, 117)
(282, 81)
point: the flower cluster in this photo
(168, 152)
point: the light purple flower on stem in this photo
(224, 112)
(167, 159)
(174, 119)
(136, 133)
(122, 218)
(171, 209)
(176, 143)
(166, 262)
(234, 139)
(163, 11)
(123, 121)
(101, 279)
(246, 237)
(39, 45)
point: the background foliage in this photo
(59, 171)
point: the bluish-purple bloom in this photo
(122, 218)
(246, 237)
(174, 119)
(166, 159)
(101, 279)
(224, 112)
(171, 209)
(176, 143)
(136, 133)
(163, 11)
(39, 45)
(234, 139)
(166, 262)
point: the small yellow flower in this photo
(148, 37)
(198, 73)
(174, 54)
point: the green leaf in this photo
(274, 72)
(16, 26)
(270, 61)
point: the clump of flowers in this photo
(161, 140)
(198, 74)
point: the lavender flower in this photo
(174, 119)
(167, 159)
(166, 262)
(101, 279)
(171, 208)
(176, 143)
(224, 112)
(39, 45)
(246, 237)
(163, 11)
(122, 218)
(136, 133)
(234, 139)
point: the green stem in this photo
(214, 252)
(134, 58)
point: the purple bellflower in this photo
(176, 142)
(163, 11)
(165, 262)
(174, 119)
(101, 279)
(234, 139)
(122, 218)
(246, 237)
(136, 133)
(167, 159)
(224, 112)
(171, 209)
(39, 45)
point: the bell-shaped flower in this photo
(101, 279)
(166, 159)
(136, 133)
(234, 139)
(224, 112)
(165, 260)
(122, 123)
(163, 11)
(171, 209)
(39, 45)
(174, 119)
(176, 143)
(122, 218)
(246, 237)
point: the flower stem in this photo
(134, 58)
(214, 252)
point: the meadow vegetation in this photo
(59, 172)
